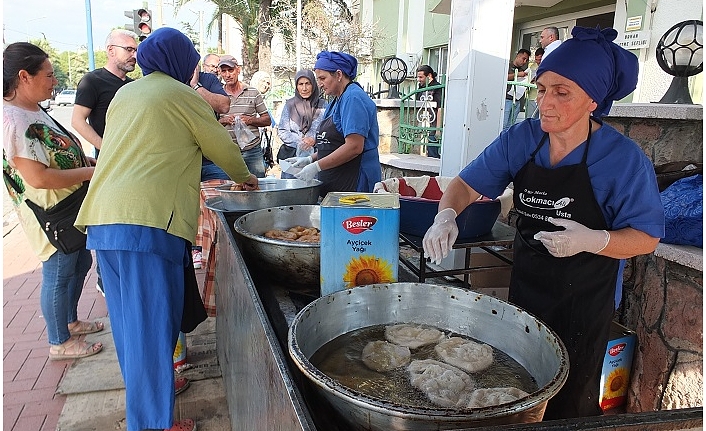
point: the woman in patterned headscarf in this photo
(141, 215)
(586, 196)
(300, 119)
(346, 157)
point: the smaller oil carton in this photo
(359, 240)
(180, 351)
(617, 365)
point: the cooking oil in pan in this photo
(340, 359)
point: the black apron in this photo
(573, 295)
(342, 178)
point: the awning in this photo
(443, 7)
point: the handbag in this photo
(58, 221)
(285, 152)
(668, 173)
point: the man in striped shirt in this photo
(246, 105)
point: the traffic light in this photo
(141, 22)
(130, 14)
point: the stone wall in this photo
(663, 303)
(667, 133)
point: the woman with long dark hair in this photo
(44, 163)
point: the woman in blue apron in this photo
(347, 140)
(586, 196)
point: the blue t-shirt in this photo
(355, 112)
(622, 176)
(211, 83)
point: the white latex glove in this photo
(441, 236)
(299, 162)
(309, 172)
(574, 239)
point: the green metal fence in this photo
(418, 117)
(418, 120)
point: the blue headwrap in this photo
(169, 51)
(604, 70)
(332, 61)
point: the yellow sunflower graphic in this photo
(616, 384)
(367, 269)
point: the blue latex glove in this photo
(299, 162)
(309, 171)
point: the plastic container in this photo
(417, 213)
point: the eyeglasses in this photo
(129, 49)
(214, 66)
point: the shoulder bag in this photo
(58, 222)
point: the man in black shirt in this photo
(98, 87)
(426, 77)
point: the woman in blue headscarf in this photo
(346, 157)
(586, 196)
(141, 215)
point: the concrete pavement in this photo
(30, 379)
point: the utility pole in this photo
(89, 31)
(202, 42)
(159, 14)
(299, 35)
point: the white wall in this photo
(653, 80)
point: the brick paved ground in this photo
(29, 378)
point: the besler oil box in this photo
(359, 240)
(617, 365)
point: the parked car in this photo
(66, 97)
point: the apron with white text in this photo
(572, 295)
(342, 178)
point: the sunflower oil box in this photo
(359, 240)
(617, 365)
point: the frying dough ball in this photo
(309, 238)
(494, 397)
(465, 354)
(384, 356)
(412, 336)
(443, 384)
(281, 234)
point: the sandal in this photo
(82, 328)
(181, 384)
(74, 349)
(183, 425)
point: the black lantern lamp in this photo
(680, 54)
(393, 72)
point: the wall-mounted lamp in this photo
(680, 54)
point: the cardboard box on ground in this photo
(494, 282)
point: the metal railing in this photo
(418, 120)
(528, 89)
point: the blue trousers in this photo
(145, 298)
(255, 160)
(62, 283)
(512, 110)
